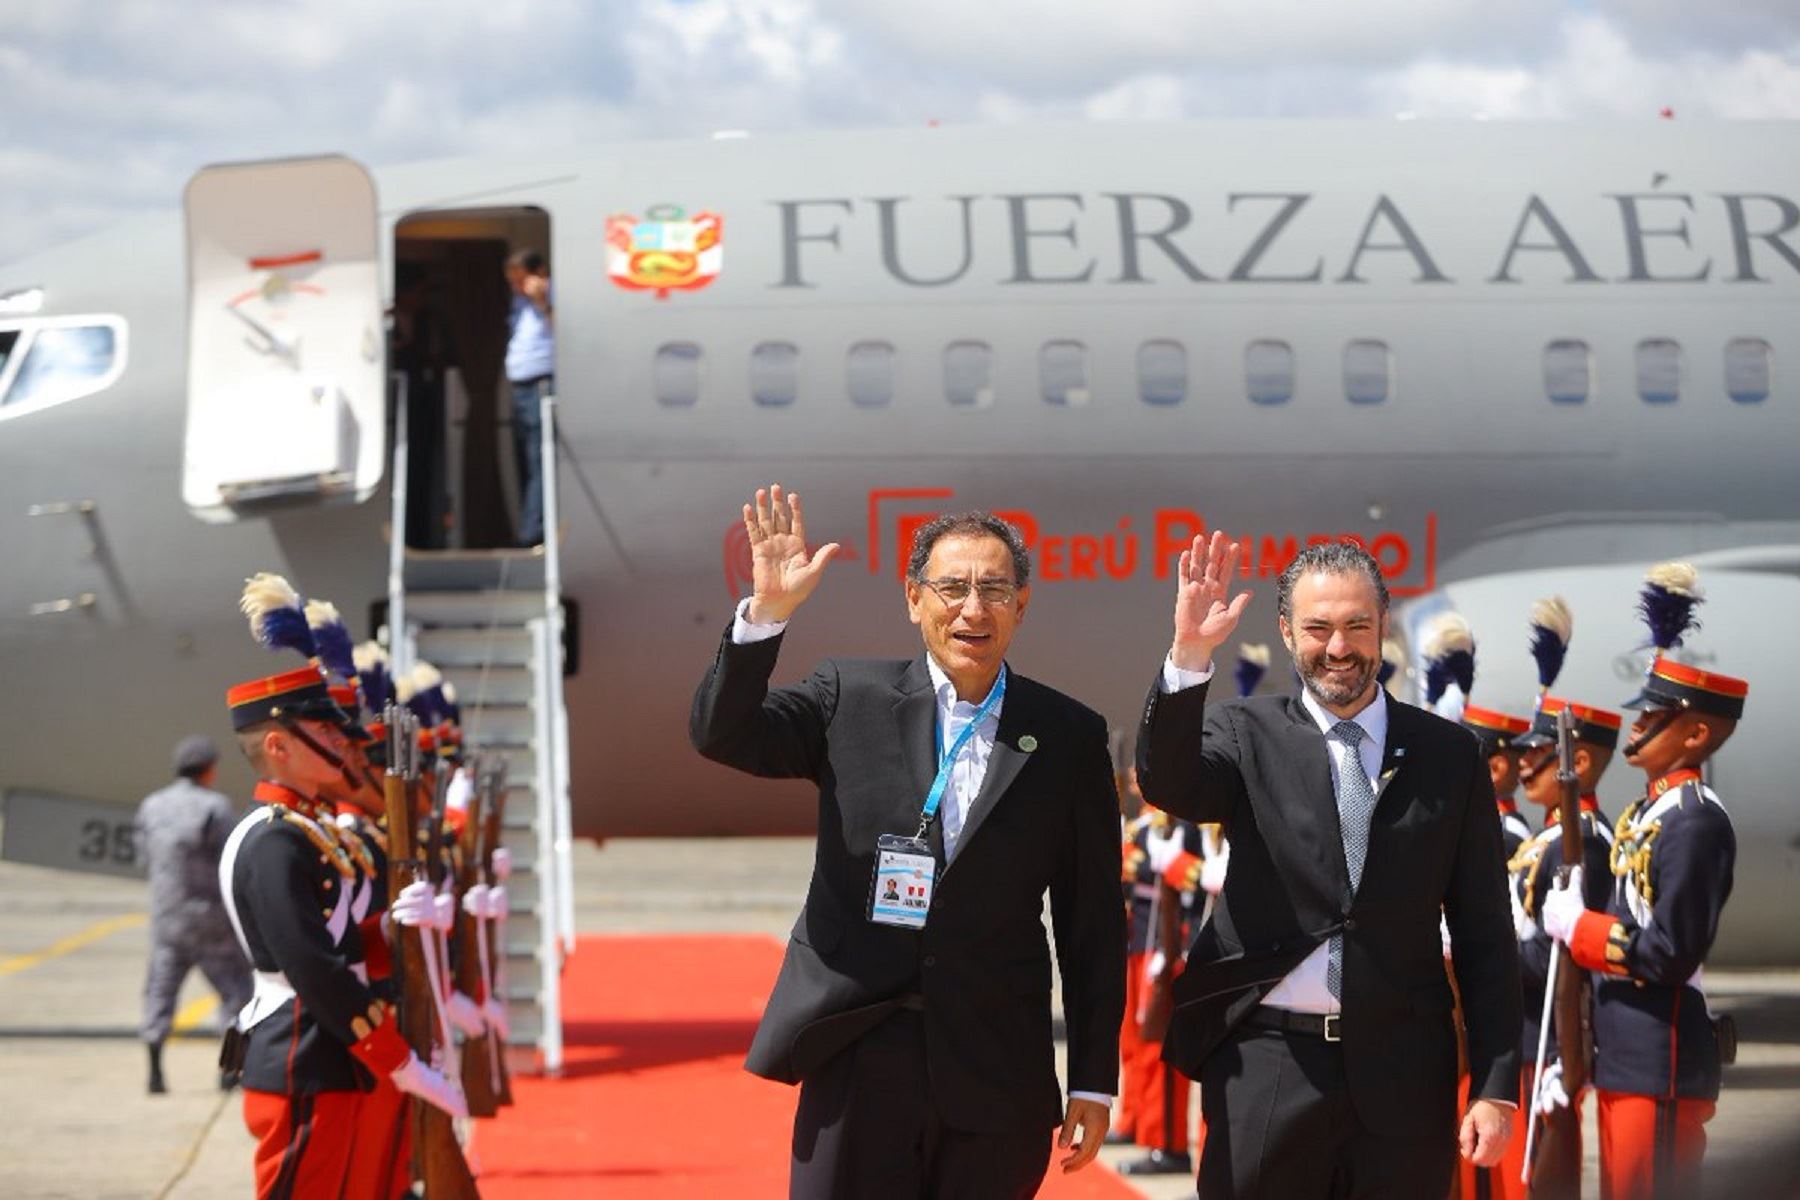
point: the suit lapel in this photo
(915, 720)
(1393, 755)
(1309, 749)
(1004, 764)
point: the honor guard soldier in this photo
(1659, 1051)
(314, 1037)
(1450, 659)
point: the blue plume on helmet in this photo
(276, 614)
(1670, 595)
(371, 663)
(1252, 665)
(1552, 625)
(427, 699)
(332, 638)
(1449, 657)
(1393, 654)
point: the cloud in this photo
(111, 104)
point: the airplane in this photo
(1511, 359)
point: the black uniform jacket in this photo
(1261, 768)
(1046, 818)
(289, 892)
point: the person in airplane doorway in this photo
(530, 374)
(920, 1033)
(180, 833)
(1659, 1052)
(313, 1038)
(1314, 1009)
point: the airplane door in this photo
(285, 367)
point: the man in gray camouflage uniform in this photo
(181, 832)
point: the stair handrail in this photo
(557, 751)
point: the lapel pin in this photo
(1028, 743)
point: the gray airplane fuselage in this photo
(1120, 335)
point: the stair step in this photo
(455, 647)
(477, 687)
(474, 609)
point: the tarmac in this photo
(79, 1124)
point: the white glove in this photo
(493, 1011)
(414, 905)
(1563, 908)
(475, 900)
(1212, 871)
(1524, 928)
(1550, 1095)
(443, 909)
(416, 1079)
(502, 865)
(497, 908)
(1163, 848)
(1158, 962)
(1444, 933)
(465, 1014)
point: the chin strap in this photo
(327, 757)
(1649, 735)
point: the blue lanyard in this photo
(947, 761)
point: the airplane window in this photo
(1568, 371)
(775, 373)
(870, 373)
(1748, 370)
(64, 362)
(1659, 370)
(678, 374)
(969, 374)
(1269, 372)
(1162, 372)
(1366, 367)
(1062, 372)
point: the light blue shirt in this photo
(530, 343)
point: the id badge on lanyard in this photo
(905, 870)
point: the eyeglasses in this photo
(993, 593)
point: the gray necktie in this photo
(1356, 804)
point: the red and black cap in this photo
(299, 694)
(1595, 726)
(1672, 684)
(1496, 731)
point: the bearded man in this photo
(1315, 1010)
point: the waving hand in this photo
(782, 572)
(1205, 611)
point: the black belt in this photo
(1319, 1025)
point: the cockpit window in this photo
(49, 362)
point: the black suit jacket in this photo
(1260, 767)
(1046, 818)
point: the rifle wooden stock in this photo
(437, 1156)
(478, 1080)
(1166, 937)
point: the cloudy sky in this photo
(108, 105)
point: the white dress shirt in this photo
(971, 763)
(1304, 989)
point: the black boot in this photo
(1159, 1162)
(157, 1086)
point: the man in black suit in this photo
(1315, 1010)
(920, 1032)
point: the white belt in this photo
(270, 992)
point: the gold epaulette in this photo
(359, 853)
(1632, 849)
(327, 846)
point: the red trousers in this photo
(381, 1154)
(1651, 1147)
(302, 1142)
(1153, 1107)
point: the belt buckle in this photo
(1331, 1027)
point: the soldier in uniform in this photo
(314, 1037)
(1659, 1055)
(181, 832)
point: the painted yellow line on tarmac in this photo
(72, 943)
(194, 1012)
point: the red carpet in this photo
(654, 1102)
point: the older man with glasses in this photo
(916, 1018)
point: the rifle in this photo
(437, 1155)
(494, 818)
(1565, 1001)
(1165, 931)
(480, 1080)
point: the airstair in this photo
(492, 622)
